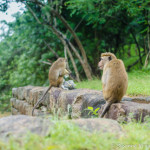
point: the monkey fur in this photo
(56, 75)
(114, 79)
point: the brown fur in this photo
(114, 79)
(56, 75)
(108, 54)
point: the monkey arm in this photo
(66, 72)
(63, 72)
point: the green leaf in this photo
(90, 108)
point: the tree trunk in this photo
(74, 64)
(138, 47)
(147, 59)
(148, 41)
(129, 51)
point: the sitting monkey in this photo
(56, 76)
(114, 79)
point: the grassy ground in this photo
(4, 114)
(138, 84)
(69, 137)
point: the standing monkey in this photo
(56, 76)
(114, 79)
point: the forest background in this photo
(77, 29)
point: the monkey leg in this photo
(106, 108)
(60, 81)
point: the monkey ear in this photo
(109, 58)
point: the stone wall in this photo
(74, 103)
(57, 100)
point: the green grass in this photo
(94, 84)
(66, 136)
(138, 83)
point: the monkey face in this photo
(103, 61)
(100, 64)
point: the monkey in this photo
(56, 76)
(114, 79)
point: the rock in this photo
(127, 111)
(34, 95)
(22, 92)
(140, 99)
(18, 126)
(12, 102)
(78, 99)
(15, 92)
(15, 111)
(69, 85)
(99, 125)
(27, 92)
(90, 98)
(56, 99)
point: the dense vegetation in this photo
(78, 29)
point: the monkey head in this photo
(61, 62)
(61, 59)
(105, 58)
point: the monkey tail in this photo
(42, 99)
(106, 108)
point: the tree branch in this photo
(44, 62)
(76, 27)
(57, 56)
(130, 66)
(138, 47)
(33, 14)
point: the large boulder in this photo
(99, 125)
(20, 125)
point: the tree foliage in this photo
(78, 29)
